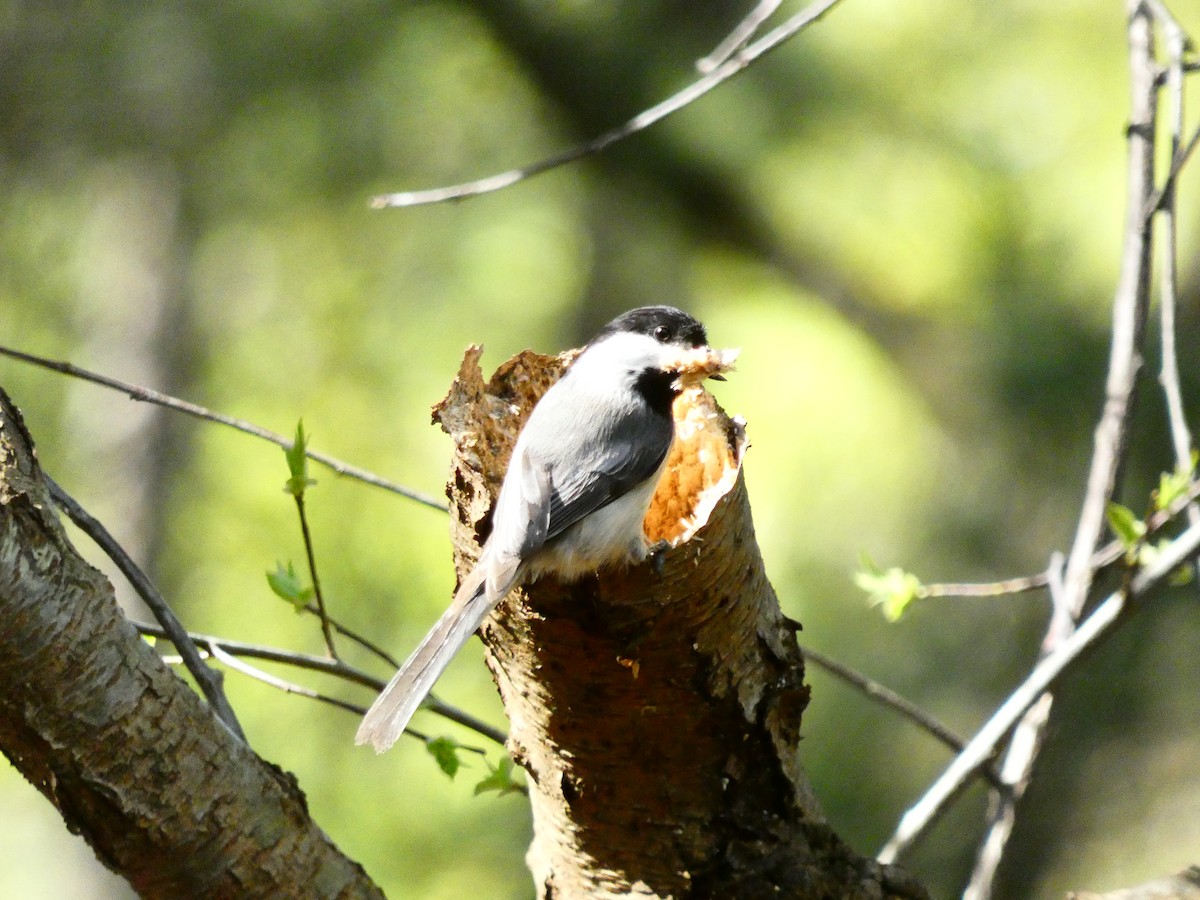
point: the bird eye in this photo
(662, 334)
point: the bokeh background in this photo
(908, 218)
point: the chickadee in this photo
(577, 489)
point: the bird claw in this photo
(658, 556)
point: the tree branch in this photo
(209, 680)
(1045, 674)
(643, 120)
(335, 667)
(739, 37)
(1181, 437)
(885, 696)
(147, 395)
(129, 755)
(1130, 311)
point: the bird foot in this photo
(657, 556)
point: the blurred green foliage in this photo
(908, 218)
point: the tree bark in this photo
(657, 710)
(128, 754)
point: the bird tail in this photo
(389, 714)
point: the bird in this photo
(578, 484)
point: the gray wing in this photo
(609, 473)
(610, 452)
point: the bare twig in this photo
(739, 37)
(1130, 309)
(1181, 438)
(1005, 588)
(327, 666)
(1017, 769)
(889, 698)
(640, 122)
(311, 556)
(1154, 203)
(147, 395)
(357, 638)
(1045, 674)
(208, 679)
(1102, 559)
(288, 687)
(1129, 313)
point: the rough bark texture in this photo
(656, 710)
(130, 756)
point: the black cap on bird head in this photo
(665, 324)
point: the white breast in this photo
(611, 536)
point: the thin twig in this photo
(1015, 775)
(1102, 559)
(1017, 769)
(1130, 305)
(1005, 588)
(310, 554)
(1181, 437)
(1042, 678)
(889, 698)
(289, 687)
(208, 679)
(640, 122)
(1154, 202)
(739, 37)
(364, 642)
(148, 395)
(308, 661)
(218, 653)
(1130, 309)
(323, 664)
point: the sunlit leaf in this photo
(1128, 528)
(297, 460)
(1174, 485)
(445, 751)
(892, 590)
(286, 584)
(499, 779)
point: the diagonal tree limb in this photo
(739, 37)
(127, 753)
(1063, 643)
(209, 680)
(1099, 625)
(323, 664)
(1130, 312)
(643, 120)
(147, 395)
(885, 696)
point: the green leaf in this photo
(1174, 485)
(499, 779)
(1128, 528)
(287, 585)
(297, 460)
(892, 590)
(445, 751)
(1182, 574)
